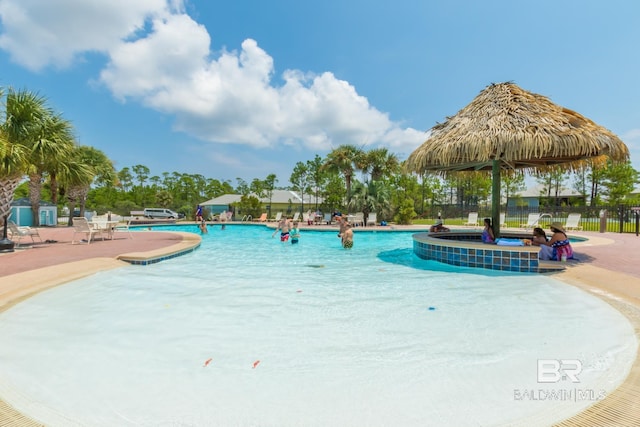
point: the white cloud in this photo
(160, 57)
(53, 33)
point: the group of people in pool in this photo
(289, 231)
(556, 248)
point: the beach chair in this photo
(573, 222)
(372, 218)
(306, 218)
(533, 220)
(356, 219)
(278, 216)
(18, 232)
(472, 219)
(503, 220)
(263, 217)
(123, 228)
(82, 226)
(296, 216)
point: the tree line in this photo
(41, 159)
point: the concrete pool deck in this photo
(608, 268)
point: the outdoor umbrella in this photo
(506, 127)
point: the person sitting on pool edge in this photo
(438, 227)
(347, 236)
(487, 233)
(558, 248)
(539, 237)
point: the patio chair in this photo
(82, 226)
(123, 228)
(472, 219)
(18, 232)
(503, 220)
(573, 222)
(372, 218)
(533, 220)
(356, 219)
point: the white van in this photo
(160, 213)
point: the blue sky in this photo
(246, 88)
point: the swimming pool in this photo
(248, 331)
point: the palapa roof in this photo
(519, 128)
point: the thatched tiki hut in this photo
(506, 127)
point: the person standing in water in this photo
(347, 236)
(283, 227)
(294, 233)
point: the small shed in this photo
(21, 213)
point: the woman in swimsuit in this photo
(487, 233)
(558, 247)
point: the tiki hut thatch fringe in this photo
(506, 127)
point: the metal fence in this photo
(614, 219)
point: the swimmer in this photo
(347, 236)
(294, 233)
(283, 227)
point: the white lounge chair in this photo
(573, 222)
(473, 219)
(358, 219)
(533, 220)
(18, 232)
(503, 220)
(82, 226)
(124, 228)
(372, 218)
(296, 216)
(278, 216)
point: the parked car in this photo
(160, 213)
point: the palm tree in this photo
(371, 197)
(12, 167)
(381, 163)
(22, 112)
(46, 137)
(48, 154)
(345, 160)
(85, 165)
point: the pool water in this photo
(249, 331)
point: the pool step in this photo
(551, 266)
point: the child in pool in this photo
(294, 233)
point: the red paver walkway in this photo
(48, 254)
